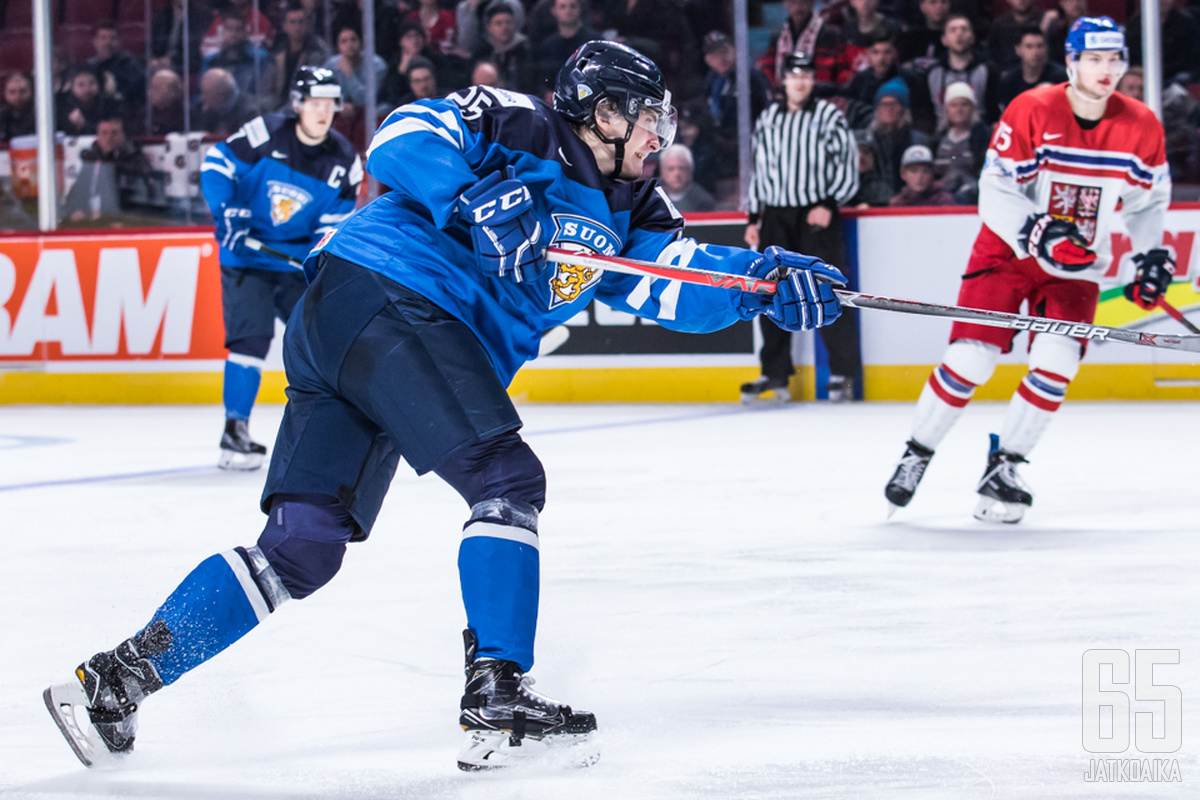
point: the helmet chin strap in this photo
(618, 145)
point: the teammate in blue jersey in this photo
(283, 180)
(421, 307)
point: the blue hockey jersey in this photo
(432, 150)
(295, 192)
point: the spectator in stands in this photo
(468, 16)
(892, 132)
(260, 30)
(1033, 70)
(82, 107)
(16, 115)
(298, 46)
(676, 172)
(863, 25)
(961, 145)
(485, 73)
(440, 24)
(1180, 42)
(251, 66)
(920, 187)
(1007, 31)
(412, 45)
(507, 48)
(422, 81)
(805, 32)
(921, 45)
(120, 73)
(165, 97)
(1055, 24)
(221, 110)
(540, 22)
(1133, 84)
(716, 108)
(960, 63)
(874, 190)
(569, 33)
(166, 36)
(13, 216)
(351, 66)
(114, 180)
(883, 58)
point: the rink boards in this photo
(135, 317)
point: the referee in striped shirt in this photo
(805, 166)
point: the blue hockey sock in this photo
(220, 601)
(242, 375)
(498, 570)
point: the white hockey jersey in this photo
(1041, 160)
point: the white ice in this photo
(719, 586)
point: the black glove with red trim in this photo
(1155, 271)
(1055, 243)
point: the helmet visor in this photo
(660, 118)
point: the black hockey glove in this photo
(1055, 243)
(803, 298)
(504, 226)
(1155, 271)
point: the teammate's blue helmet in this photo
(315, 82)
(1095, 33)
(601, 70)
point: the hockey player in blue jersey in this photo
(283, 179)
(421, 307)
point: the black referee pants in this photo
(787, 227)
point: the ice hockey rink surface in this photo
(719, 585)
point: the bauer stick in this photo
(255, 244)
(998, 319)
(1177, 315)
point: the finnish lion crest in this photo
(585, 236)
(286, 200)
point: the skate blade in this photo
(989, 509)
(241, 462)
(63, 701)
(892, 509)
(771, 397)
(493, 750)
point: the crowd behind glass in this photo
(921, 82)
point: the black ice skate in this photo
(1003, 496)
(907, 476)
(97, 712)
(766, 390)
(238, 450)
(507, 723)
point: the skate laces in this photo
(911, 469)
(1005, 472)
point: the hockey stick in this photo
(998, 319)
(255, 244)
(1177, 315)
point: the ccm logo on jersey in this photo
(286, 200)
(506, 201)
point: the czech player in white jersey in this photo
(1061, 160)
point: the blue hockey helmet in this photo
(315, 82)
(601, 70)
(1095, 33)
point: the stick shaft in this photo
(1177, 315)
(255, 244)
(999, 319)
